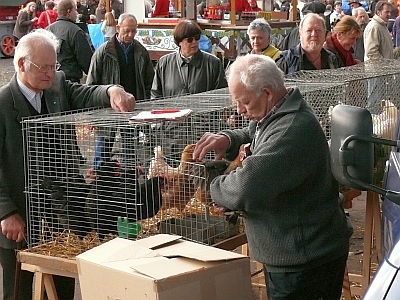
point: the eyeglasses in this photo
(190, 39)
(44, 69)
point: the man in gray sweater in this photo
(285, 189)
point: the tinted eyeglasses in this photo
(190, 39)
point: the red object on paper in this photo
(164, 111)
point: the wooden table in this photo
(44, 267)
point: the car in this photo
(352, 151)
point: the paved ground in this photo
(357, 213)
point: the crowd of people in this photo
(295, 224)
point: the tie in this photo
(38, 102)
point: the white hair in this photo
(255, 72)
(312, 16)
(28, 43)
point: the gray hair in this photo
(28, 43)
(355, 12)
(312, 15)
(260, 24)
(125, 16)
(256, 72)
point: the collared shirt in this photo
(30, 95)
(125, 48)
(308, 65)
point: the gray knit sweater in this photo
(286, 190)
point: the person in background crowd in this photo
(40, 7)
(148, 9)
(92, 5)
(116, 7)
(337, 13)
(292, 39)
(241, 5)
(393, 15)
(378, 44)
(35, 89)
(327, 15)
(362, 20)
(100, 11)
(377, 39)
(83, 16)
(75, 50)
(48, 17)
(25, 20)
(259, 32)
(285, 5)
(354, 4)
(294, 224)
(342, 39)
(161, 9)
(121, 60)
(396, 32)
(188, 70)
(373, 5)
(254, 5)
(108, 27)
(309, 54)
(276, 6)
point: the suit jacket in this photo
(62, 96)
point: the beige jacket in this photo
(377, 40)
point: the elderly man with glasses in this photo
(37, 88)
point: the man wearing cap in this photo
(292, 39)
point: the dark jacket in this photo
(286, 190)
(74, 52)
(105, 67)
(175, 77)
(62, 96)
(291, 61)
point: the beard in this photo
(313, 45)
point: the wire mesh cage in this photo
(370, 84)
(95, 174)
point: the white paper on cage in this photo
(173, 116)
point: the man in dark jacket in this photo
(36, 89)
(122, 60)
(309, 54)
(285, 188)
(83, 16)
(74, 52)
(292, 39)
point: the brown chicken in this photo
(180, 188)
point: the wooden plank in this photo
(37, 269)
(38, 288)
(232, 243)
(50, 287)
(51, 262)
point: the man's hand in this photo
(120, 100)
(209, 142)
(13, 227)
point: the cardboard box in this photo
(162, 267)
